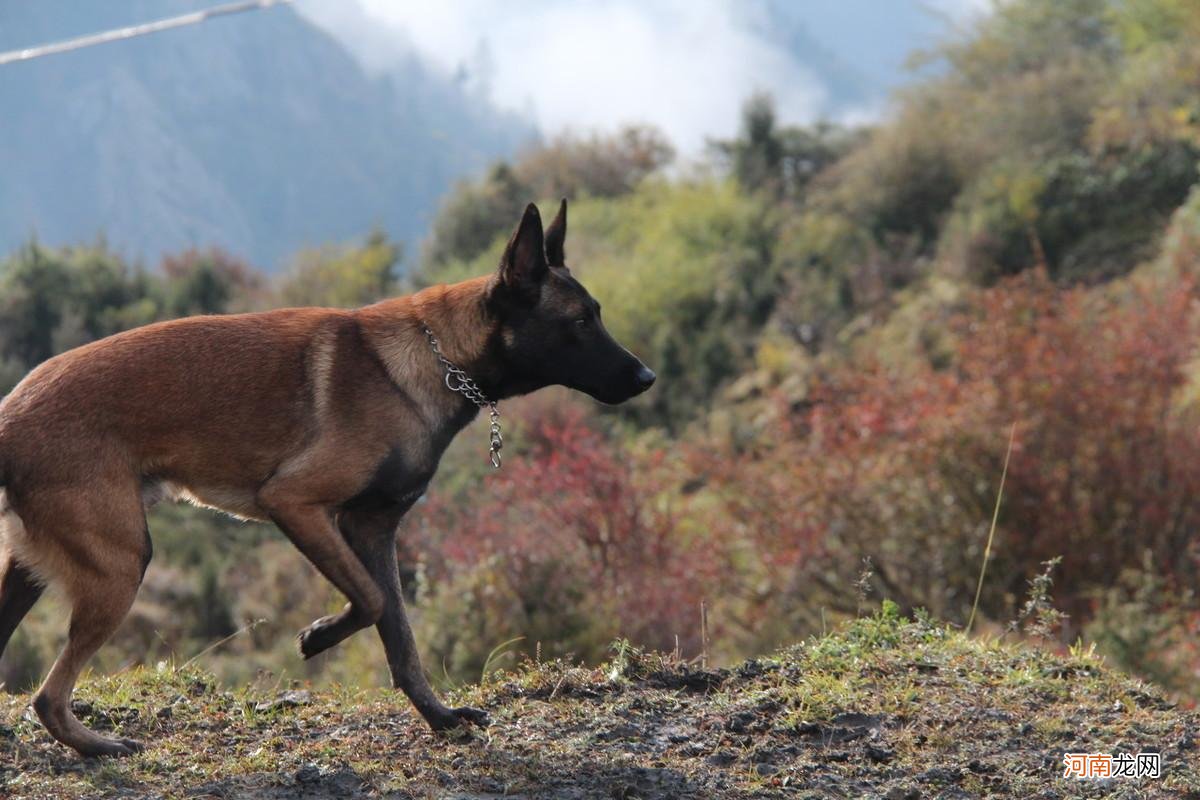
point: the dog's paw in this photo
(472, 716)
(316, 637)
(101, 746)
(458, 719)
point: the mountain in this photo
(860, 49)
(685, 66)
(257, 132)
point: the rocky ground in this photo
(885, 707)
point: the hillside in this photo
(259, 133)
(885, 707)
(952, 361)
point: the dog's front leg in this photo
(372, 535)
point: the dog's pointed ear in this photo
(556, 235)
(523, 265)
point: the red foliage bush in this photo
(586, 537)
(903, 466)
(601, 517)
(1108, 466)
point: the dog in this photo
(329, 423)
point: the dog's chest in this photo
(407, 498)
(398, 482)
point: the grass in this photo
(987, 550)
(883, 707)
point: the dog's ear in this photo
(523, 265)
(556, 235)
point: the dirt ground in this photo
(886, 708)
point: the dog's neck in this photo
(466, 331)
(458, 316)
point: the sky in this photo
(685, 66)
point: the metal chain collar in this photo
(459, 381)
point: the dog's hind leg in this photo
(372, 535)
(19, 590)
(101, 545)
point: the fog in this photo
(685, 66)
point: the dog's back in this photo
(201, 375)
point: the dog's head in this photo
(550, 331)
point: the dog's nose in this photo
(645, 378)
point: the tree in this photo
(209, 282)
(55, 299)
(594, 166)
(476, 215)
(780, 161)
(344, 276)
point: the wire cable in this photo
(120, 34)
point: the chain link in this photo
(459, 381)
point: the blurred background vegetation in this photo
(846, 322)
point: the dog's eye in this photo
(583, 322)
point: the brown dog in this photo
(329, 423)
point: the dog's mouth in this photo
(629, 387)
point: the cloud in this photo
(684, 66)
(963, 10)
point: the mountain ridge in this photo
(257, 133)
